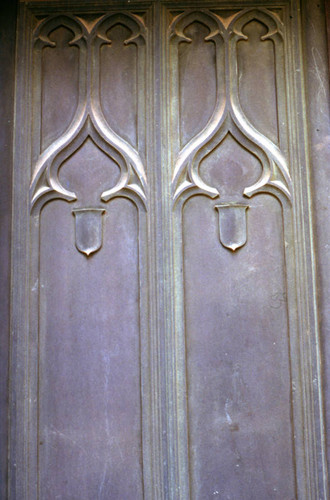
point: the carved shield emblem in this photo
(232, 225)
(88, 229)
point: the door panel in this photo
(59, 76)
(240, 314)
(256, 59)
(87, 340)
(164, 304)
(89, 402)
(238, 370)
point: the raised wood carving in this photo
(232, 225)
(89, 120)
(228, 116)
(88, 229)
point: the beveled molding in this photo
(172, 481)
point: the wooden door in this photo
(165, 339)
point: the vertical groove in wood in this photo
(8, 11)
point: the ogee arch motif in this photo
(228, 116)
(89, 120)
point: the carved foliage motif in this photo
(228, 116)
(89, 120)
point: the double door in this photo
(163, 292)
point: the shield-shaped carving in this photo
(232, 225)
(88, 229)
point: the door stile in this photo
(177, 416)
(157, 431)
(308, 337)
(19, 405)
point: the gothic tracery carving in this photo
(228, 116)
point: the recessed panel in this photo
(197, 91)
(89, 356)
(87, 264)
(230, 168)
(118, 85)
(256, 70)
(59, 84)
(238, 369)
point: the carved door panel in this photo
(164, 324)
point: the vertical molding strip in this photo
(315, 438)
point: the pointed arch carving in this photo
(182, 21)
(89, 119)
(135, 180)
(41, 40)
(45, 28)
(275, 177)
(228, 116)
(265, 16)
(133, 22)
